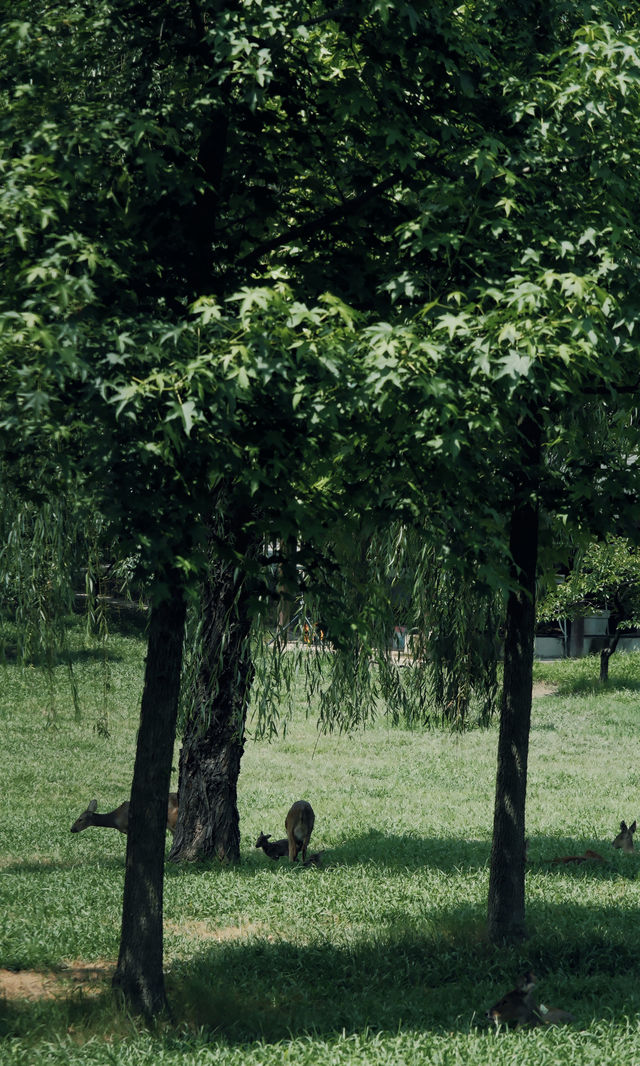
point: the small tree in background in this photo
(605, 577)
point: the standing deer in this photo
(119, 818)
(624, 838)
(299, 824)
(275, 849)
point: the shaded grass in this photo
(379, 956)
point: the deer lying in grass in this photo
(624, 838)
(589, 855)
(119, 818)
(519, 1007)
(275, 849)
(299, 825)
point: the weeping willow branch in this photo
(380, 592)
(45, 544)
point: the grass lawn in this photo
(380, 956)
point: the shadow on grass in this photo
(65, 657)
(585, 686)
(125, 619)
(389, 852)
(42, 867)
(441, 979)
(442, 982)
(401, 853)
(129, 619)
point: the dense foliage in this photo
(316, 268)
(467, 194)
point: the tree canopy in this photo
(309, 266)
(162, 164)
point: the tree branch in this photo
(345, 210)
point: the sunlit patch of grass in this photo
(381, 954)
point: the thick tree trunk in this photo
(506, 880)
(139, 975)
(213, 740)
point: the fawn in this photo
(588, 855)
(275, 849)
(519, 1007)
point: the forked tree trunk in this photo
(139, 976)
(506, 913)
(213, 739)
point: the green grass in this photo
(378, 957)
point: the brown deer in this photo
(589, 855)
(555, 1016)
(624, 838)
(519, 1007)
(119, 818)
(275, 849)
(299, 824)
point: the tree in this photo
(216, 699)
(113, 125)
(190, 152)
(139, 973)
(605, 577)
(570, 341)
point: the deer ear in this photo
(92, 806)
(623, 826)
(632, 828)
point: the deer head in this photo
(84, 820)
(624, 838)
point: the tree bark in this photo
(506, 912)
(606, 654)
(139, 976)
(576, 638)
(213, 740)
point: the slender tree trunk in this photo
(139, 976)
(605, 655)
(576, 638)
(506, 880)
(213, 740)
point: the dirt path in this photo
(32, 984)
